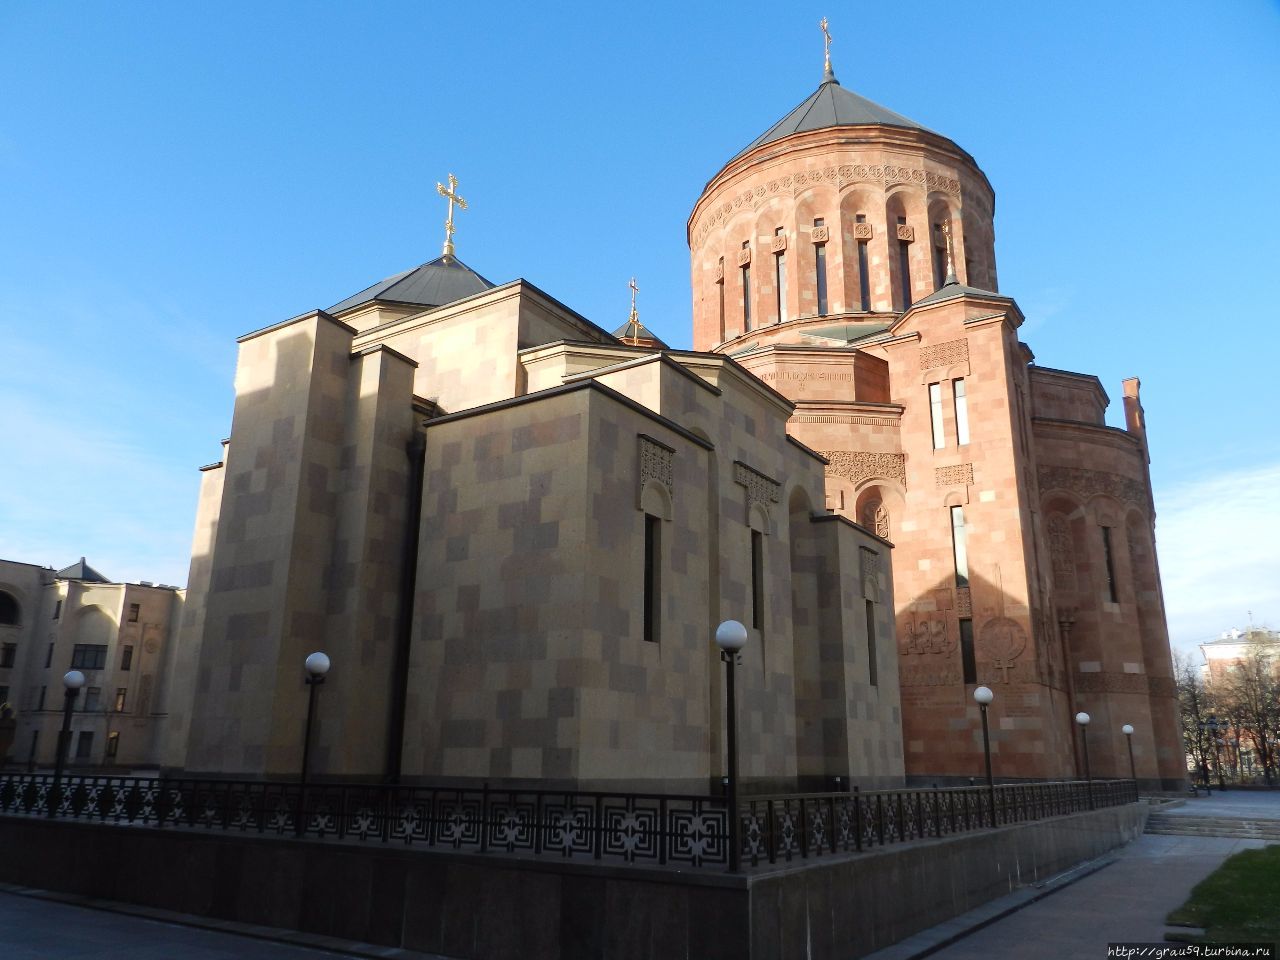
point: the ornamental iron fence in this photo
(679, 830)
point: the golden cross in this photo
(826, 43)
(634, 289)
(451, 193)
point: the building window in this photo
(84, 745)
(40, 702)
(121, 693)
(8, 610)
(4, 695)
(134, 610)
(780, 277)
(757, 579)
(57, 610)
(720, 286)
(48, 658)
(962, 411)
(92, 699)
(820, 270)
(746, 290)
(8, 653)
(652, 577)
(1111, 568)
(89, 656)
(935, 415)
(864, 279)
(904, 267)
(872, 672)
(968, 661)
(939, 257)
(126, 656)
(113, 744)
(959, 547)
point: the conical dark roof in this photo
(953, 289)
(831, 105)
(81, 571)
(635, 330)
(443, 280)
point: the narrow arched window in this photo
(9, 613)
(820, 263)
(904, 261)
(780, 271)
(864, 277)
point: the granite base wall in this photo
(489, 908)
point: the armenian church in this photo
(514, 532)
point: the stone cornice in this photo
(319, 314)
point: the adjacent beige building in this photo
(118, 634)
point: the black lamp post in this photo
(731, 637)
(1082, 719)
(1127, 730)
(317, 666)
(72, 681)
(984, 696)
(1218, 745)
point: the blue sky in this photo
(174, 175)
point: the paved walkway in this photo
(1238, 804)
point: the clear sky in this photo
(174, 175)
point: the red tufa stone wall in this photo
(1039, 477)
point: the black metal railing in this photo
(786, 826)
(659, 829)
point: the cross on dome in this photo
(451, 194)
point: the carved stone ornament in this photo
(956, 475)
(928, 636)
(906, 233)
(858, 465)
(838, 176)
(1003, 640)
(761, 489)
(744, 256)
(964, 603)
(880, 521)
(1088, 483)
(779, 243)
(821, 234)
(1062, 551)
(870, 574)
(719, 270)
(944, 354)
(657, 462)
(863, 231)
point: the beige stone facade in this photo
(515, 536)
(120, 635)
(1023, 525)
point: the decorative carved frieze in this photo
(1107, 682)
(1162, 687)
(1087, 483)
(928, 635)
(944, 354)
(761, 489)
(941, 675)
(956, 475)
(964, 603)
(821, 234)
(840, 418)
(838, 176)
(858, 465)
(657, 462)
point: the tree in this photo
(1194, 708)
(1248, 691)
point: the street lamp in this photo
(731, 637)
(1127, 730)
(1082, 719)
(1218, 745)
(1209, 726)
(72, 681)
(317, 665)
(984, 696)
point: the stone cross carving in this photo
(451, 194)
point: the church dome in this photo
(831, 105)
(443, 280)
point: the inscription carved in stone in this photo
(1087, 483)
(953, 476)
(944, 354)
(858, 465)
